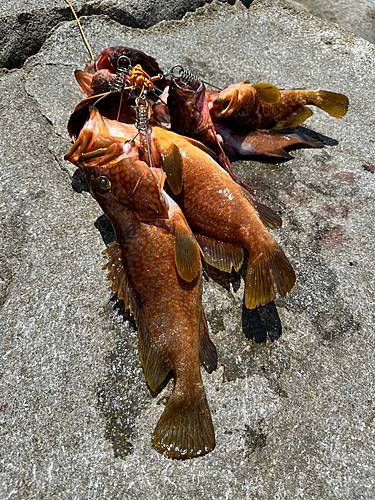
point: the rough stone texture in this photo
(357, 16)
(25, 25)
(294, 418)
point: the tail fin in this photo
(185, 428)
(334, 104)
(267, 272)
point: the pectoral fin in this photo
(186, 251)
(173, 167)
(294, 119)
(84, 81)
(267, 93)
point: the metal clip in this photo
(141, 122)
(188, 77)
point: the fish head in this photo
(93, 84)
(235, 103)
(187, 106)
(114, 59)
(117, 178)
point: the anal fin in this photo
(220, 254)
(268, 216)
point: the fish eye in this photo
(241, 113)
(103, 182)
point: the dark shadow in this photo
(262, 322)
(246, 3)
(257, 324)
(79, 182)
(105, 228)
(222, 278)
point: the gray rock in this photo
(294, 418)
(358, 16)
(25, 26)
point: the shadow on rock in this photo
(79, 182)
(261, 322)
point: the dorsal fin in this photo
(155, 366)
(201, 146)
(267, 93)
(268, 216)
(220, 254)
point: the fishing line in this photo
(81, 30)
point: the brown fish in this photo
(224, 218)
(99, 75)
(241, 144)
(190, 116)
(155, 268)
(241, 105)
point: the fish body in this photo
(243, 144)
(240, 105)
(225, 219)
(155, 268)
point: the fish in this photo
(240, 105)
(155, 267)
(224, 218)
(100, 74)
(247, 143)
(190, 116)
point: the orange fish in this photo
(242, 104)
(155, 268)
(224, 218)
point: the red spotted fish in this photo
(155, 267)
(224, 218)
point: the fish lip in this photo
(188, 92)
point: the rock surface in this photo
(294, 418)
(358, 16)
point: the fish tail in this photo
(268, 272)
(334, 104)
(185, 427)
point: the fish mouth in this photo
(189, 89)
